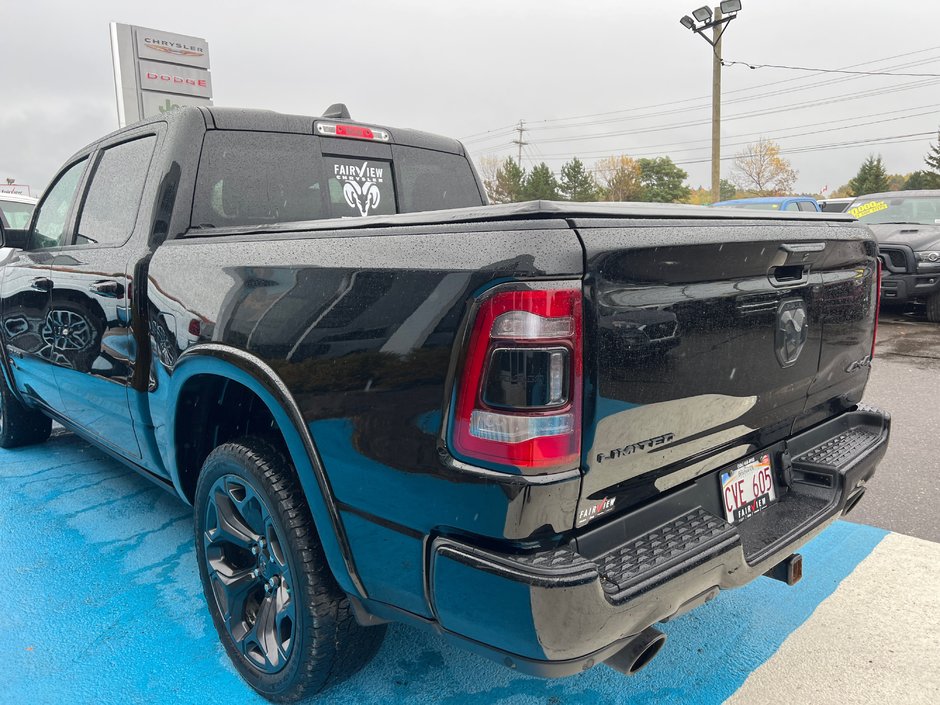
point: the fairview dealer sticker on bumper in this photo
(594, 510)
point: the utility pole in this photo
(520, 128)
(701, 21)
(717, 31)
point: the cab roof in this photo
(17, 198)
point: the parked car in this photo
(16, 210)
(907, 226)
(834, 205)
(772, 203)
(537, 429)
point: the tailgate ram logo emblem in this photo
(792, 329)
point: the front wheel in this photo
(281, 616)
(933, 307)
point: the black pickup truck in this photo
(538, 429)
(907, 227)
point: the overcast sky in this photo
(465, 68)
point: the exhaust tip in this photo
(638, 652)
(853, 502)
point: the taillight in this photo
(874, 335)
(519, 399)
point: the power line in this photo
(845, 97)
(818, 70)
(473, 137)
(742, 99)
(486, 132)
(892, 139)
(771, 133)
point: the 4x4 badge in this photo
(792, 329)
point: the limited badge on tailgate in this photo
(748, 488)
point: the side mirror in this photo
(17, 239)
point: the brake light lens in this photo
(356, 132)
(874, 335)
(518, 404)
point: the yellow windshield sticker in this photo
(867, 209)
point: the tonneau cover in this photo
(561, 210)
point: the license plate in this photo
(748, 488)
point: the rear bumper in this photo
(902, 288)
(557, 612)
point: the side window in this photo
(792, 206)
(51, 222)
(111, 205)
(434, 180)
(256, 178)
(807, 206)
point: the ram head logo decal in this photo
(792, 331)
(365, 197)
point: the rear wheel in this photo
(282, 618)
(933, 307)
(20, 425)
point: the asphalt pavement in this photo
(904, 495)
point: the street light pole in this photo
(717, 22)
(717, 31)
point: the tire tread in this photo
(335, 645)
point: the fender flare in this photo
(256, 375)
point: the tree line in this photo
(620, 178)
(873, 176)
(758, 170)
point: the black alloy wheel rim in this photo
(249, 574)
(65, 334)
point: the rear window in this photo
(15, 214)
(257, 178)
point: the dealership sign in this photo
(17, 189)
(156, 71)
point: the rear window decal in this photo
(360, 185)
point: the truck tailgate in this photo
(706, 341)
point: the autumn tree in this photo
(619, 178)
(871, 177)
(504, 183)
(577, 183)
(760, 169)
(896, 182)
(487, 167)
(540, 184)
(844, 191)
(700, 196)
(662, 180)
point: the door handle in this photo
(42, 284)
(109, 288)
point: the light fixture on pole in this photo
(716, 22)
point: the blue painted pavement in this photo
(101, 602)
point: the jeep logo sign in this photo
(792, 329)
